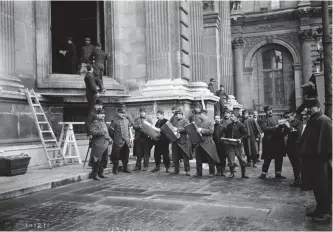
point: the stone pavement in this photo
(145, 201)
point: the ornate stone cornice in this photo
(306, 35)
(208, 6)
(211, 19)
(237, 43)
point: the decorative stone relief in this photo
(290, 38)
(306, 35)
(267, 27)
(236, 29)
(250, 42)
(208, 6)
(237, 43)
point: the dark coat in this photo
(91, 84)
(316, 151)
(195, 117)
(294, 136)
(101, 139)
(250, 143)
(207, 142)
(119, 130)
(219, 132)
(183, 141)
(225, 122)
(100, 57)
(71, 52)
(87, 52)
(162, 139)
(236, 130)
(211, 88)
(137, 127)
(273, 144)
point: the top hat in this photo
(309, 102)
(267, 108)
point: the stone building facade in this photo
(161, 53)
(275, 51)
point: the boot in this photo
(296, 183)
(95, 175)
(232, 172)
(137, 168)
(167, 169)
(115, 168)
(176, 170)
(198, 175)
(145, 163)
(262, 176)
(243, 173)
(125, 168)
(156, 169)
(254, 165)
(101, 174)
(187, 173)
(222, 172)
(279, 176)
(248, 164)
(218, 171)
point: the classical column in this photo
(237, 45)
(8, 81)
(306, 36)
(226, 47)
(196, 38)
(212, 46)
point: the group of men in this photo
(308, 145)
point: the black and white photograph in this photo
(165, 115)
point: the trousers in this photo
(162, 149)
(201, 154)
(100, 165)
(278, 165)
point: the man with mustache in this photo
(316, 154)
(273, 143)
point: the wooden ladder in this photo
(50, 144)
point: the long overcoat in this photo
(207, 142)
(183, 141)
(316, 151)
(250, 142)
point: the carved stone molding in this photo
(297, 66)
(270, 39)
(248, 70)
(237, 43)
(211, 19)
(306, 35)
(208, 6)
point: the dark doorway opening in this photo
(76, 19)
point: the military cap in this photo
(100, 111)
(87, 39)
(142, 109)
(160, 112)
(121, 110)
(309, 102)
(178, 111)
(267, 108)
(98, 102)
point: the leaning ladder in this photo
(43, 128)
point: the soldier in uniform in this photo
(100, 57)
(195, 118)
(180, 148)
(236, 130)
(273, 143)
(294, 130)
(100, 142)
(142, 142)
(206, 149)
(91, 87)
(173, 110)
(219, 131)
(87, 52)
(223, 97)
(250, 142)
(162, 145)
(120, 133)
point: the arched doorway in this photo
(273, 81)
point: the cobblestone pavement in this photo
(158, 201)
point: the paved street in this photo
(158, 201)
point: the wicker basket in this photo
(14, 165)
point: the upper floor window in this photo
(275, 4)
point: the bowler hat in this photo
(143, 109)
(267, 108)
(309, 102)
(87, 39)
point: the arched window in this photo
(273, 77)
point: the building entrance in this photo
(77, 20)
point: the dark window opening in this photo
(76, 114)
(78, 20)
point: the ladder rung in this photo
(53, 149)
(48, 131)
(71, 157)
(39, 113)
(44, 122)
(36, 105)
(50, 140)
(57, 158)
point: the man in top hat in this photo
(120, 133)
(142, 142)
(219, 132)
(250, 142)
(87, 52)
(100, 57)
(293, 128)
(273, 143)
(236, 130)
(316, 154)
(100, 142)
(206, 149)
(181, 148)
(162, 145)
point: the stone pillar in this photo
(8, 81)
(226, 47)
(306, 37)
(237, 45)
(298, 83)
(212, 46)
(196, 38)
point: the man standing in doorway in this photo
(223, 97)
(87, 52)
